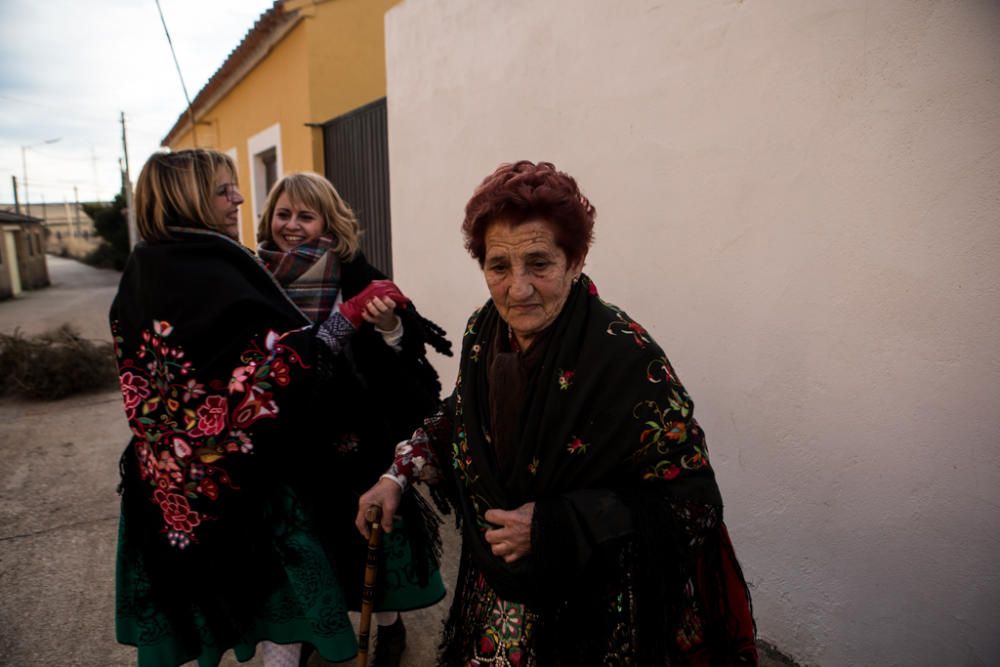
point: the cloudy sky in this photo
(68, 68)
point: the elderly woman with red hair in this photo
(592, 522)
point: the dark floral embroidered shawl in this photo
(217, 370)
(608, 448)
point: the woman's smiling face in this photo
(528, 275)
(294, 224)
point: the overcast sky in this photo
(68, 67)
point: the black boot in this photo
(390, 642)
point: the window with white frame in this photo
(264, 149)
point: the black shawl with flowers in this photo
(218, 372)
(607, 447)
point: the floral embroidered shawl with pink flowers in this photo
(186, 429)
(213, 363)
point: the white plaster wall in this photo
(801, 200)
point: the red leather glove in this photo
(352, 309)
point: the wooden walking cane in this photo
(374, 518)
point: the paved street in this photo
(79, 294)
(59, 509)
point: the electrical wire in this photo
(194, 134)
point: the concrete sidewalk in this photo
(59, 509)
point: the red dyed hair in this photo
(522, 192)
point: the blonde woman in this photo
(218, 370)
(309, 239)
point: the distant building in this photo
(22, 254)
(63, 220)
(304, 90)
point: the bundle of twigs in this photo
(54, 364)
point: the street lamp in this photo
(24, 169)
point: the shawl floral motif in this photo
(185, 429)
(606, 410)
(630, 561)
(206, 378)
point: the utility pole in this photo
(24, 183)
(76, 211)
(24, 169)
(17, 202)
(97, 181)
(69, 220)
(133, 232)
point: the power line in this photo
(49, 107)
(194, 132)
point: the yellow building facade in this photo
(303, 63)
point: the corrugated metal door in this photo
(356, 152)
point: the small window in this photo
(265, 175)
(269, 160)
(264, 149)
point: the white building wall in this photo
(801, 200)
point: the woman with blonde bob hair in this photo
(218, 372)
(309, 239)
(180, 189)
(315, 192)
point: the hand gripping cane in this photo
(374, 518)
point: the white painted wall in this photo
(801, 200)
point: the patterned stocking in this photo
(280, 655)
(386, 617)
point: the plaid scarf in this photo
(309, 273)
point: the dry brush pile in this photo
(54, 364)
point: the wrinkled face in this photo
(294, 224)
(226, 201)
(528, 276)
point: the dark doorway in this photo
(356, 153)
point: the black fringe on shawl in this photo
(674, 543)
(720, 632)
(664, 564)
(422, 527)
(452, 649)
(680, 543)
(432, 334)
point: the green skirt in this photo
(307, 606)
